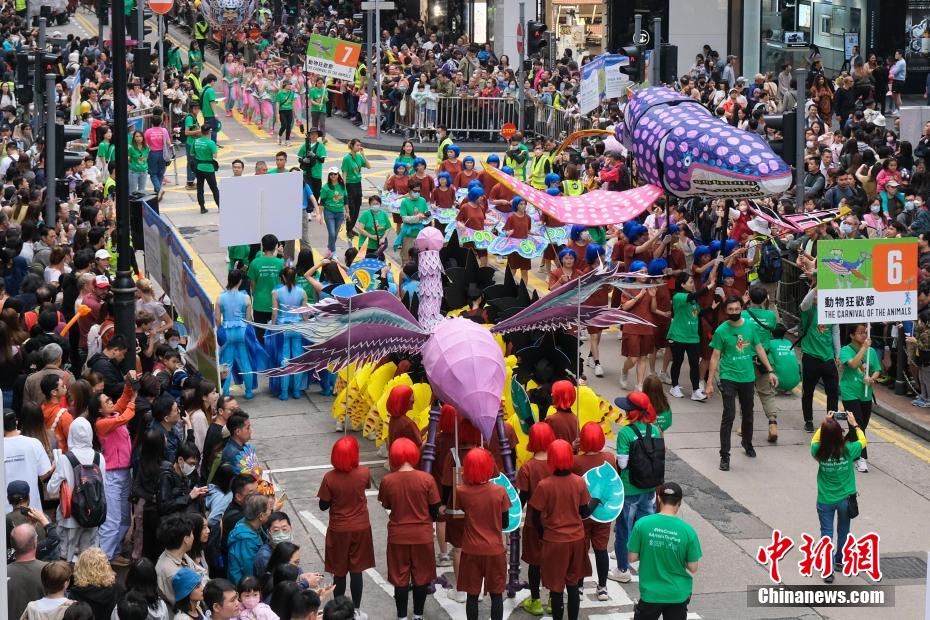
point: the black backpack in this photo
(770, 267)
(88, 501)
(647, 459)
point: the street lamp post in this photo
(124, 288)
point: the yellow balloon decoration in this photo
(353, 378)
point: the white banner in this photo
(589, 95)
(255, 206)
(616, 81)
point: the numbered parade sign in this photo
(866, 280)
(332, 57)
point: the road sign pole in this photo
(656, 51)
(637, 29)
(800, 76)
(521, 49)
(377, 103)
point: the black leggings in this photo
(862, 409)
(535, 576)
(814, 370)
(693, 349)
(354, 202)
(210, 178)
(602, 564)
(419, 600)
(355, 585)
(574, 603)
(497, 607)
(287, 123)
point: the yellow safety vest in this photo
(200, 30)
(108, 186)
(572, 187)
(539, 171)
(198, 86)
(441, 151)
(519, 170)
(20, 5)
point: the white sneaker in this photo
(360, 615)
(589, 361)
(862, 465)
(444, 560)
(602, 594)
(383, 450)
(460, 597)
(665, 378)
(340, 426)
(623, 382)
(698, 394)
(598, 370)
(639, 387)
(623, 576)
(675, 391)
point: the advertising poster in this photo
(866, 280)
(917, 35)
(588, 98)
(332, 57)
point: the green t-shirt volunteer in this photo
(207, 98)
(768, 320)
(190, 121)
(138, 158)
(352, 165)
(625, 439)
(285, 99)
(318, 149)
(106, 151)
(376, 224)
(333, 197)
(852, 384)
(665, 545)
(409, 207)
(263, 272)
(205, 151)
(836, 478)
(784, 362)
(303, 283)
(318, 94)
(737, 346)
(818, 339)
(684, 326)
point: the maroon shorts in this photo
(661, 341)
(530, 546)
(566, 563)
(395, 217)
(455, 530)
(475, 568)
(637, 345)
(597, 533)
(594, 330)
(706, 350)
(411, 564)
(515, 261)
(349, 552)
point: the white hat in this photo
(102, 282)
(101, 253)
(334, 170)
(759, 225)
(879, 121)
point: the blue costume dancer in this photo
(288, 345)
(239, 349)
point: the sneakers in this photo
(623, 381)
(675, 391)
(724, 463)
(602, 594)
(698, 395)
(665, 378)
(829, 578)
(589, 361)
(750, 452)
(773, 432)
(340, 426)
(122, 560)
(533, 606)
(919, 402)
(360, 615)
(623, 576)
(809, 426)
(444, 560)
(862, 466)
(598, 370)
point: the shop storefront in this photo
(578, 25)
(474, 18)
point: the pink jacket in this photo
(259, 612)
(113, 434)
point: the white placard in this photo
(255, 206)
(616, 81)
(589, 95)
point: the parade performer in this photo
(597, 534)
(399, 403)
(518, 227)
(472, 215)
(349, 546)
(427, 184)
(468, 173)
(528, 478)
(556, 510)
(229, 69)
(443, 196)
(284, 300)
(563, 421)
(412, 498)
(239, 351)
(452, 164)
(486, 507)
(445, 440)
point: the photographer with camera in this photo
(312, 156)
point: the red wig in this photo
(644, 411)
(447, 415)
(478, 466)
(404, 451)
(560, 455)
(400, 400)
(592, 437)
(540, 437)
(468, 434)
(563, 395)
(345, 454)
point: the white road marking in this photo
(310, 467)
(628, 615)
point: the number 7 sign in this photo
(347, 54)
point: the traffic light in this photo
(668, 64)
(635, 69)
(103, 11)
(142, 62)
(24, 67)
(787, 125)
(65, 159)
(536, 43)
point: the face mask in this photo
(734, 316)
(280, 537)
(187, 469)
(909, 205)
(809, 144)
(845, 228)
(875, 208)
(376, 207)
(173, 343)
(414, 195)
(250, 601)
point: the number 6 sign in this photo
(894, 267)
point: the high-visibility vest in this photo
(198, 86)
(539, 171)
(200, 30)
(20, 5)
(108, 186)
(519, 169)
(441, 151)
(572, 187)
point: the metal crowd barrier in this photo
(140, 120)
(476, 115)
(547, 121)
(789, 293)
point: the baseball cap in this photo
(670, 490)
(102, 282)
(333, 170)
(101, 253)
(634, 401)
(17, 488)
(892, 182)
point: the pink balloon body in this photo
(430, 239)
(466, 368)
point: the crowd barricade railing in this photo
(789, 292)
(476, 116)
(140, 119)
(547, 121)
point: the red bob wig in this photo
(345, 454)
(468, 434)
(560, 455)
(540, 437)
(478, 466)
(563, 395)
(592, 437)
(404, 451)
(400, 400)
(447, 416)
